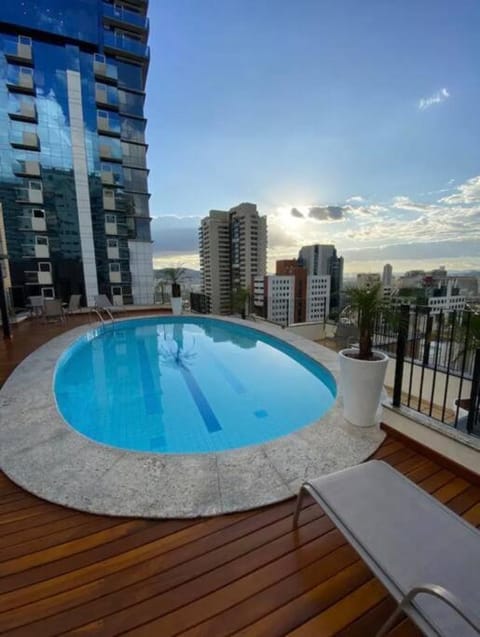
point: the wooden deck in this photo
(66, 572)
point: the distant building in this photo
(279, 293)
(291, 295)
(299, 272)
(322, 260)
(387, 276)
(367, 279)
(215, 260)
(447, 303)
(233, 250)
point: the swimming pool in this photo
(187, 385)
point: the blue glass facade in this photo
(73, 174)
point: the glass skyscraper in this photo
(73, 173)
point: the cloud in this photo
(466, 193)
(437, 98)
(326, 213)
(296, 213)
(362, 211)
(429, 250)
(355, 199)
(405, 203)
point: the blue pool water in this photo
(187, 385)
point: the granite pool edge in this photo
(41, 453)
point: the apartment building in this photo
(73, 175)
(233, 251)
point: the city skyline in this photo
(340, 130)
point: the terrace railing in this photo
(438, 366)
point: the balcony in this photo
(30, 194)
(116, 43)
(23, 82)
(109, 200)
(106, 72)
(108, 126)
(24, 168)
(26, 112)
(38, 250)
(109, 153)
(34, 277)
(20, 51)
(111, 227)
(114, 276)
(111, 178)
(26, 140)
(106, 96)
(113, 252)
(118, 16)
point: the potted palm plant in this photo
(174, 276)
(362, 370)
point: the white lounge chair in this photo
(73, 304)
(35, 305)
(427, 557)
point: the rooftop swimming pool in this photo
(187, 385)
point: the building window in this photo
(48, 293)
(44, 267)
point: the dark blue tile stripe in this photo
(229, 376)
(150, 397)
(202, 403)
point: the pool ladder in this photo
(98, 312)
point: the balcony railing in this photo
(120, 15)
(17, 51)
(438, 366)
(125, 45)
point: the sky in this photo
(346, 122)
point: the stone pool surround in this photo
(40, 452)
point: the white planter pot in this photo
(176, 302)
(362, 383)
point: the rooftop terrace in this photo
(67, 572)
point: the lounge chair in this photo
(53, 310)
(35, 305)
(103, 302)
(73, 304)
(426, 556)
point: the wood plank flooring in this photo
(63, 572)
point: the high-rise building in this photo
(73, 173)
(214, 239)
(387, 275)
(322, 259)
(233, 250)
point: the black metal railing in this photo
(199, 303)
(438, 365)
